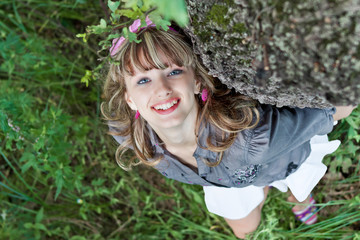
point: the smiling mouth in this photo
(167, 108)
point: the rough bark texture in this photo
(295, 53)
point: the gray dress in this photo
(271, 151)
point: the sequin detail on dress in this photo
(291, 168)
(248, 175)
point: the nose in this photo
(163, 88)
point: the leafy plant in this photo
(161, 12)
(347, 157)
(59, 179)
(122, 15)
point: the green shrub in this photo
(59, 179)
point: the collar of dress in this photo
(199, 153)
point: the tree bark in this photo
(294, 53)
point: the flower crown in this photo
(134, 28)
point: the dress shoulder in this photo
(281, 130)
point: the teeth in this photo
(166, 105)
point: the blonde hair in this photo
(225, 109)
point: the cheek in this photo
(189, 84)
(140, 100)
(193, 88)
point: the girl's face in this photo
(165, 98)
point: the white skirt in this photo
(237, 203)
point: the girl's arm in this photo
(343, 112)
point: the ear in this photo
(130, 102)
(197, 86)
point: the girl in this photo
(161, 103)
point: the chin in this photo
(171, 123)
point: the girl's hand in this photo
(343, 112)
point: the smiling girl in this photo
(162, 104)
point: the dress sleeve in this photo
(118, 138)
(281, 130)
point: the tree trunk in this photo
(295, 53)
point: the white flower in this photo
(3, 215)
(10, 123)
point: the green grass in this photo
(59, 179)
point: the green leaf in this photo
(352, 148)
(77, 237)
(102, 23)
(113, 5)
(115, 16)
(8, 145)
(40, 143)
(98, 209)
(357, 138)
(159, 21)
(30, 161)
(26, 166)
(90, 193)
(27, 156)
(346, 164)
(351, 132)
(98, 182)
(140, 4)
(112, 36)
(28, 225)
(59, 181)
(83, 215)
(39, 215)
(131, 4)
(129, 13)
(132, 37)
(40, 226)
(333, 166)
(339, 160)
(351, 122)
(98, 29)
(174, 10)
(196, 197)
(87, 77)
(83, 36)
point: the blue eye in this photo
(175, 72)
(143, 81)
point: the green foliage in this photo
(347, 157)
(87, 77)
(332, 227)
(44, 138)
(123, 13)
(113, 5)
(59, 179)
(161, 12)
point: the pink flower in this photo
(149, 22)
(117, 42)
(135, 26)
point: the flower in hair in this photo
(134, 28)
